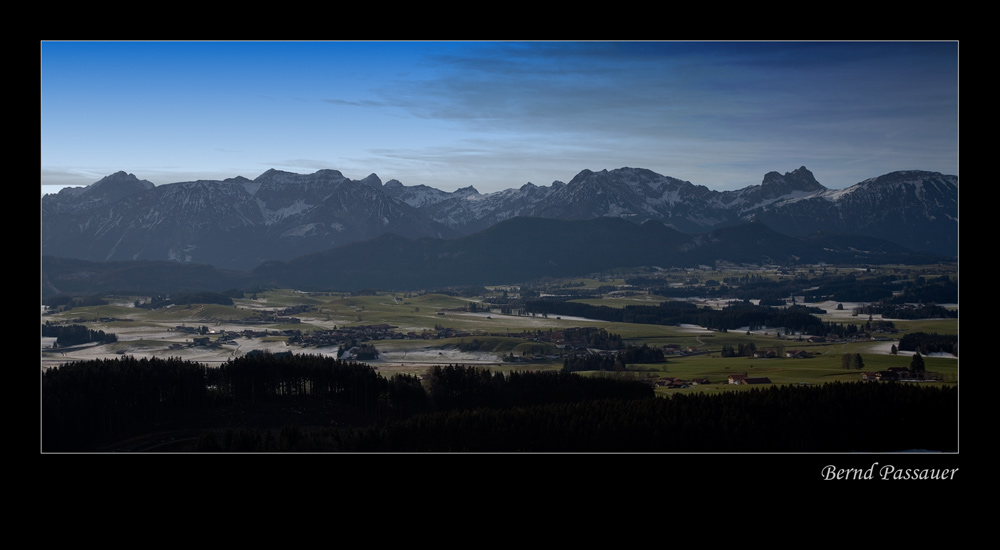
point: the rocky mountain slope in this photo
(239, 223)
(916, 209)
(232, 224)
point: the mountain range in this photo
(282, 219)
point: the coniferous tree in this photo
(858, 363)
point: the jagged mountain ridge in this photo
(107, 190)
(232, 224)
(238, 223)
(916, 209)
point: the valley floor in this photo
(402, 355)
(167, 333)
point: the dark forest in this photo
(89, 406)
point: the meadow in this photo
(145, 333)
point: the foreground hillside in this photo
(89, 405)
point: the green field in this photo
(499, 334)
(819, 369)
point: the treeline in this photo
(795, 318)
(940, 290)
(63, 302)
(890, 288)
(745, 287)
(185, 298)
(464, 391)
(92, 403)
(742, 350)
(835, 417)
(592, 337)
(458, 387)
(361, 352)
(74, 335)
(89, 403)
(667, 313)
(613, 362)
(886, 290)
(907, 311)
(851, 288)
(737, 314)
(475, 345)
(925, 343)
(267, 378)
(460, 408)
(853, 330)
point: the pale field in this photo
(152, 334)
(148, 336)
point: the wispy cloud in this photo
(716, 113)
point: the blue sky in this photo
(497, 115)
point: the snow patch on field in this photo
(435, 357)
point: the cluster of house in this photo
(342, 335)
(741, 379)
(676, 349)
(558, 338)
(893, 373)
(437, 334)
(294, 310)
(671, 382)
(772, 354)
(267, 318)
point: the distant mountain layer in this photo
(514, 251)
(526, 249)
(240, 223)
(232, 224)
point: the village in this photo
(358, 342)
(406, 333)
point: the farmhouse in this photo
(902, 373)
(894, 373)
(673, 349)
(744, 379)
(670, 382)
